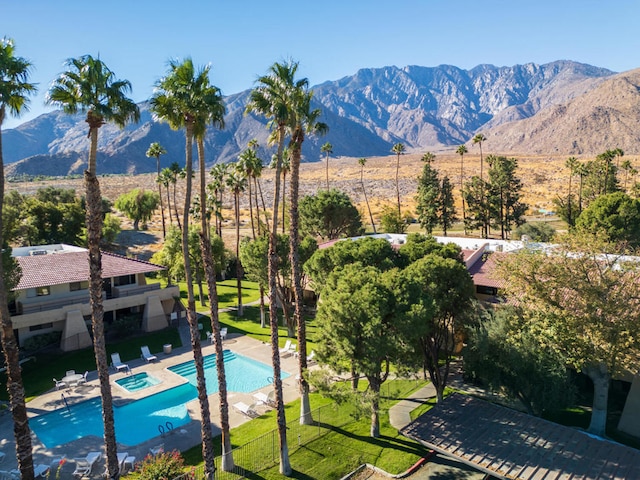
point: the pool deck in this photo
(181, 438)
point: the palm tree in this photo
(271, 98)
(219, 173)
(627, 167)
(285, 168)
(164, 179)
(155, 150)
(363, 162)
(176, 172)
(89, 86)
(237, 182)
(14, 91)
(184, 99)
(245, 164)
(479, 138)
(327, 149)
(461, 150)
(398, 149)
(303, 121)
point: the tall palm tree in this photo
(165, 180)
(219, 173)
(14, 91)
(478, 139)
(363, 162)
(327, 149)
(182, 98)
(89, 86)
(271, 98)
(237, 182)
(398, 149)
(285, 168)
(176, 172)
(245, 164)
(461, 150)
(155, 150)
(303, 121)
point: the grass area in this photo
(346, 446)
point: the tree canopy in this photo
(138, 205)
(615, 215)
(329, 214)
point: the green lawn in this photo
(346, 446)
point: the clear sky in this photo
(330, 38)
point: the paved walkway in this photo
(400, 413)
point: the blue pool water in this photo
(138, 421)
(134, 383)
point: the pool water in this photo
(135, 383)
(242, 374)
(140, 420)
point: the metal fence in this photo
(264, 452)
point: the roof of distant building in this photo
(66, 264)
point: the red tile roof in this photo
(482, 271)
(61, 268)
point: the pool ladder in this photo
(161, 428)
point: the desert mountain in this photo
(435, 108)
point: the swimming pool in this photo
(135, 383)
(147, 414)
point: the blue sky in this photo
(330, 38)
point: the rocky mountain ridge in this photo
(556, 108)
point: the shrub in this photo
(166, 465)
(40, 341)
(125, 326)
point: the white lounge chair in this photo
(266, 399)
(311, 357)
(84, 466)
(146, 354)
(59, 384)
(248, 410)
(286, 350)
(70, 372)
(40, 470)
(223, 333)
(117, 363)
(157, 449)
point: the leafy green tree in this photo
(428, 196)
(536, 231)
(583, 304)
(14, 91)
(448, 285)
(89, 86)
(398, 149)
(447, 213)
(362, 162)
(506, 356)
(572, 164)
(327, 149)
(138, 205)
(616, 215)
(600, 177)
(375, 252)
(505, 194)
(478, 208)
(110, 229)
(392, 222)
(329, 214)
(418, 246)
(365, 326)
(155, 150)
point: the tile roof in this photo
(61, 268)
(509, 444)
(482, 271)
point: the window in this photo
(42, 291)
(124, 280)
(76, 286)
(42, 326)
(484, 290)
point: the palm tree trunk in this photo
(294, 175)
(169, 204)
(366, 200)
(236, 204)
(15, 388)
(196, 347)
(264, 207)
(94, 232)
(398, 184)
(284, 187)
(175, 204)
(210, 274)
(285, 465)
(464, 213)
(253, 228)
(164, 227)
